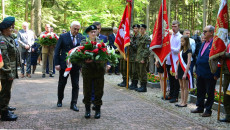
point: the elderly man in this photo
(206, 81)
(66, 42)
(171, 62)
(47, 51)
(26, 40)
(111, 44)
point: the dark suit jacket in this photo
(64, 45)
(103, 37)
(203, 68)
(111, 41)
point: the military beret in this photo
(91, 27)
(136, 25)
(143, 26)
(7, 22)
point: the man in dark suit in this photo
(111, 44)
(66, 42)
(99, 35)
(206, 81)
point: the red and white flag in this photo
(1, 60)
(123, 35)
(220, 39)
(160, 44)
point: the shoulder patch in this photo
(2, 42)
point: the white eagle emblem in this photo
(122, 31)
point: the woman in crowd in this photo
(182, 71)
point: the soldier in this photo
(93, 74)
(123, 70)
(47, 51)
(8, 72)
(142, 58)
(132, 57)
(226, 72)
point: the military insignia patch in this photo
(2, 42)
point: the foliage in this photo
(153, 78)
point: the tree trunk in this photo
(26, 10)
(169, 11)
(37, 19)
(65, 16)
(3, 9)
(147, 16)
(32, 15)
(204, 13)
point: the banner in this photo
(123, 35)
(220, 39)
(160, 44)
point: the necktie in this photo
(73, 40)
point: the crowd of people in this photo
(187, 53)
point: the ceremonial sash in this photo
(173, 64)
(183, 66)
(69, 64)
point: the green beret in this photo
(7, 22)
(91, 27)
(136, 25)
(143, 26)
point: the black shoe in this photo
(87, 111)
(173, 100)
(59, 104)
(97, 112)
(11, 112)
(74, 107)
(181, 105)
(43, 75)
(197, 111)
(8, 116)
(123, 84)
(224, 120)
(51, 75)
(11, 108)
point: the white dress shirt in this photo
(175, 47)
(193, 45)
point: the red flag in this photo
(220, 39)
(160, 44)
(123, 36)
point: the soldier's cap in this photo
(143, 26)
(7, 22)
(91, 27)
(136, 25)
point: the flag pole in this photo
(165, 84)
(219, 101)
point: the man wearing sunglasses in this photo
(206, 81)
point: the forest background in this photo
(192, 14)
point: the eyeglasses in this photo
(205, 31)
(76, 29)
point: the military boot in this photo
(87, 111)
(134, 85)
(142, 88)
(8, 116)
(97, 112)
(131, 85)
(123, 84)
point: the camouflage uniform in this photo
(123, 70)
(142, 55)
(225, 87)
(132, 61)
(11, 60)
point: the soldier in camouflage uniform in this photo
(93, 74)
(132, 57)
(225, 87)
(142, 57)
(8, 72)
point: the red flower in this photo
(50, 37)
(43, 36)
(81, 47)
(93, 43)
(104, 49)
(86, 43)
(99, 46)
(95, 51)
(103, 44)
(78, 50)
